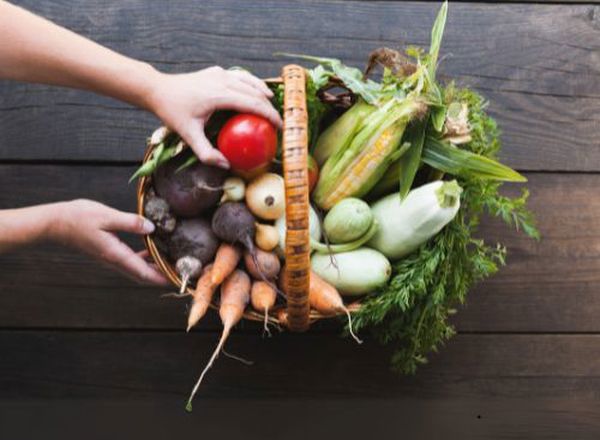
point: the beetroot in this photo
(193, 238)
(192, 190)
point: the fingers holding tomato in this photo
(248, 141)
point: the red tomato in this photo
(313, 173)
(248, 142)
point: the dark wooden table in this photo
(83, 351)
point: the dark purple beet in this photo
(192, 190)
(194, 238)
(234, 223)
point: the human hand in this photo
(91, 226)
(185, 102)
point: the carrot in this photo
(263, 297)
(235, 296)
(226, 260)
(202, 297)
(325, 298)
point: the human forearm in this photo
(22, 226)
(84, 225)
(35, 50)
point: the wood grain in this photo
(140, 365)
(162, 417)
(537, 63)
(550, 286)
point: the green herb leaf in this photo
(352, 77)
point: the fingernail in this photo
(223, 164)
(148, 227)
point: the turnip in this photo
(192, 190)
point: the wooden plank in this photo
(427, 418)
(537, 64)
(138, 365)
(547, 286)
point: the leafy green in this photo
(351, 77)
(409, 163)
(412, 311)
(449, 159)
(317, 78)
(437, 32)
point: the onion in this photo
(267, 237)
(265, 196)
(234, 190)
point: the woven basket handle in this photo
(295, 173)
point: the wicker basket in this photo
(295, 173)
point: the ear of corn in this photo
(340, 133)
(356, 165)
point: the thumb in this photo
(207, 154)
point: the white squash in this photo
(356, 272)
(405, 225)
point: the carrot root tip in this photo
(356, 338)
(237, 358)
(184, 283)
(266, 329)
(175, 295)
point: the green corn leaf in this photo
(409, 163)
(449, 159)
(436, 39)
(438, 117)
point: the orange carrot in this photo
(226, 260)
(235, 296)
(202, 295)
(263, 297)
(325, 298)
